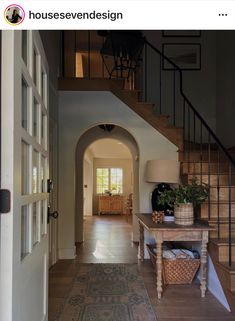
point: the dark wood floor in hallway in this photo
(108, 240)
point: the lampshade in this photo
(162, 170)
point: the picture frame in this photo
(187, 56)
(181, 33)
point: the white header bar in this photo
(129, 14)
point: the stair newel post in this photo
(160, 87)
(209, 174)
(230, 213)
(218, 193)
(174, 97)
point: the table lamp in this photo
(163, 172)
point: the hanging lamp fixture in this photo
(121, 51)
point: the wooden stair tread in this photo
(84, 84)
(222, 186)
(140, 103)
(131, 90)
(207, 174)
(222, 220)
(227, 267)
(220, 202)
(174, 127)
(222, 241)
(211, 174)
(204, 161)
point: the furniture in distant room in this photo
(110, 204)
(129, 206)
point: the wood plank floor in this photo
(108, 240)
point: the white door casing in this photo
(53, 196)
(24, 158)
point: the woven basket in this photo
(178, 271)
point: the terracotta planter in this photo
(184, 214)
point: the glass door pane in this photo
(24, 168)
(35, 171)
(25, 46)
(24, 106)
(35, 119)
(35, 224)
(24, 231)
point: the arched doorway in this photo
(90, 136)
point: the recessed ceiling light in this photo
(119, 143)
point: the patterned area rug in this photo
(107, 292)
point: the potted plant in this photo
(184, 199)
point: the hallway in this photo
(108, 240)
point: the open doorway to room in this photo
(106, 163)
(107, 186)
(108, 178)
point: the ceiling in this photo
(109, 148)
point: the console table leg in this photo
(159, 268)
(203, 286)
(141, 244)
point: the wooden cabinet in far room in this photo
(110, 204)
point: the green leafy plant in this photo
(183, 194)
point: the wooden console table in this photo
(170, 231)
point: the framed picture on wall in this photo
(185, 55)
(181, 33)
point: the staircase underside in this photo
(130, 97)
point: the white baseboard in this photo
(45, 317)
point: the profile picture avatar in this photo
(14, 14)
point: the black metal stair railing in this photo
(206, 156)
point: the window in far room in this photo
(109, 180)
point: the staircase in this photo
(201, 153)
(131, 98)
(219, 210)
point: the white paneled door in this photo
(24, 168)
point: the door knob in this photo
(54, 214)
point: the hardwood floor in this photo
(108, 240)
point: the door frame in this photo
(53, 196)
